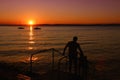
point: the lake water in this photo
(99, 44)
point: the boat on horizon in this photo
(20, 27)
(37, 28)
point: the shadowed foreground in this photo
(16, 71)
(56, 70)
(7, 73)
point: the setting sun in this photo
(31, 22)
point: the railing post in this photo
(31, 63)
(52, 58)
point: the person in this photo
(73, 48)
(83, 67)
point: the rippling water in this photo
(95, 41)
(16, 39)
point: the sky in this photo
(60, 11)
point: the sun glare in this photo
(30, 22)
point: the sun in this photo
(31, 22)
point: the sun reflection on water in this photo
(28, 59)
(30, 48)
(31, 38)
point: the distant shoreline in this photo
(62, 25)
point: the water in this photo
(100, 44)
(100, 41)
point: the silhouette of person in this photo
(73, 46)
(84, 66)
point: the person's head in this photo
(75, 38)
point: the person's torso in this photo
(73, 47)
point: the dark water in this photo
(100, 44)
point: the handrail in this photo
(57, 51)
(59, 62)
(84, 74)
(45, 50)
(83, 68)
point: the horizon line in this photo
(107, 24)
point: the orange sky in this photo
(59, 11)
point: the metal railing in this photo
(85, 69)
(41, 51)
(65, 69)
(60, 61)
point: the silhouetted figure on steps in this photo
(73, 46)
(83, 67)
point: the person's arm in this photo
(81, 52)
(65, 49)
